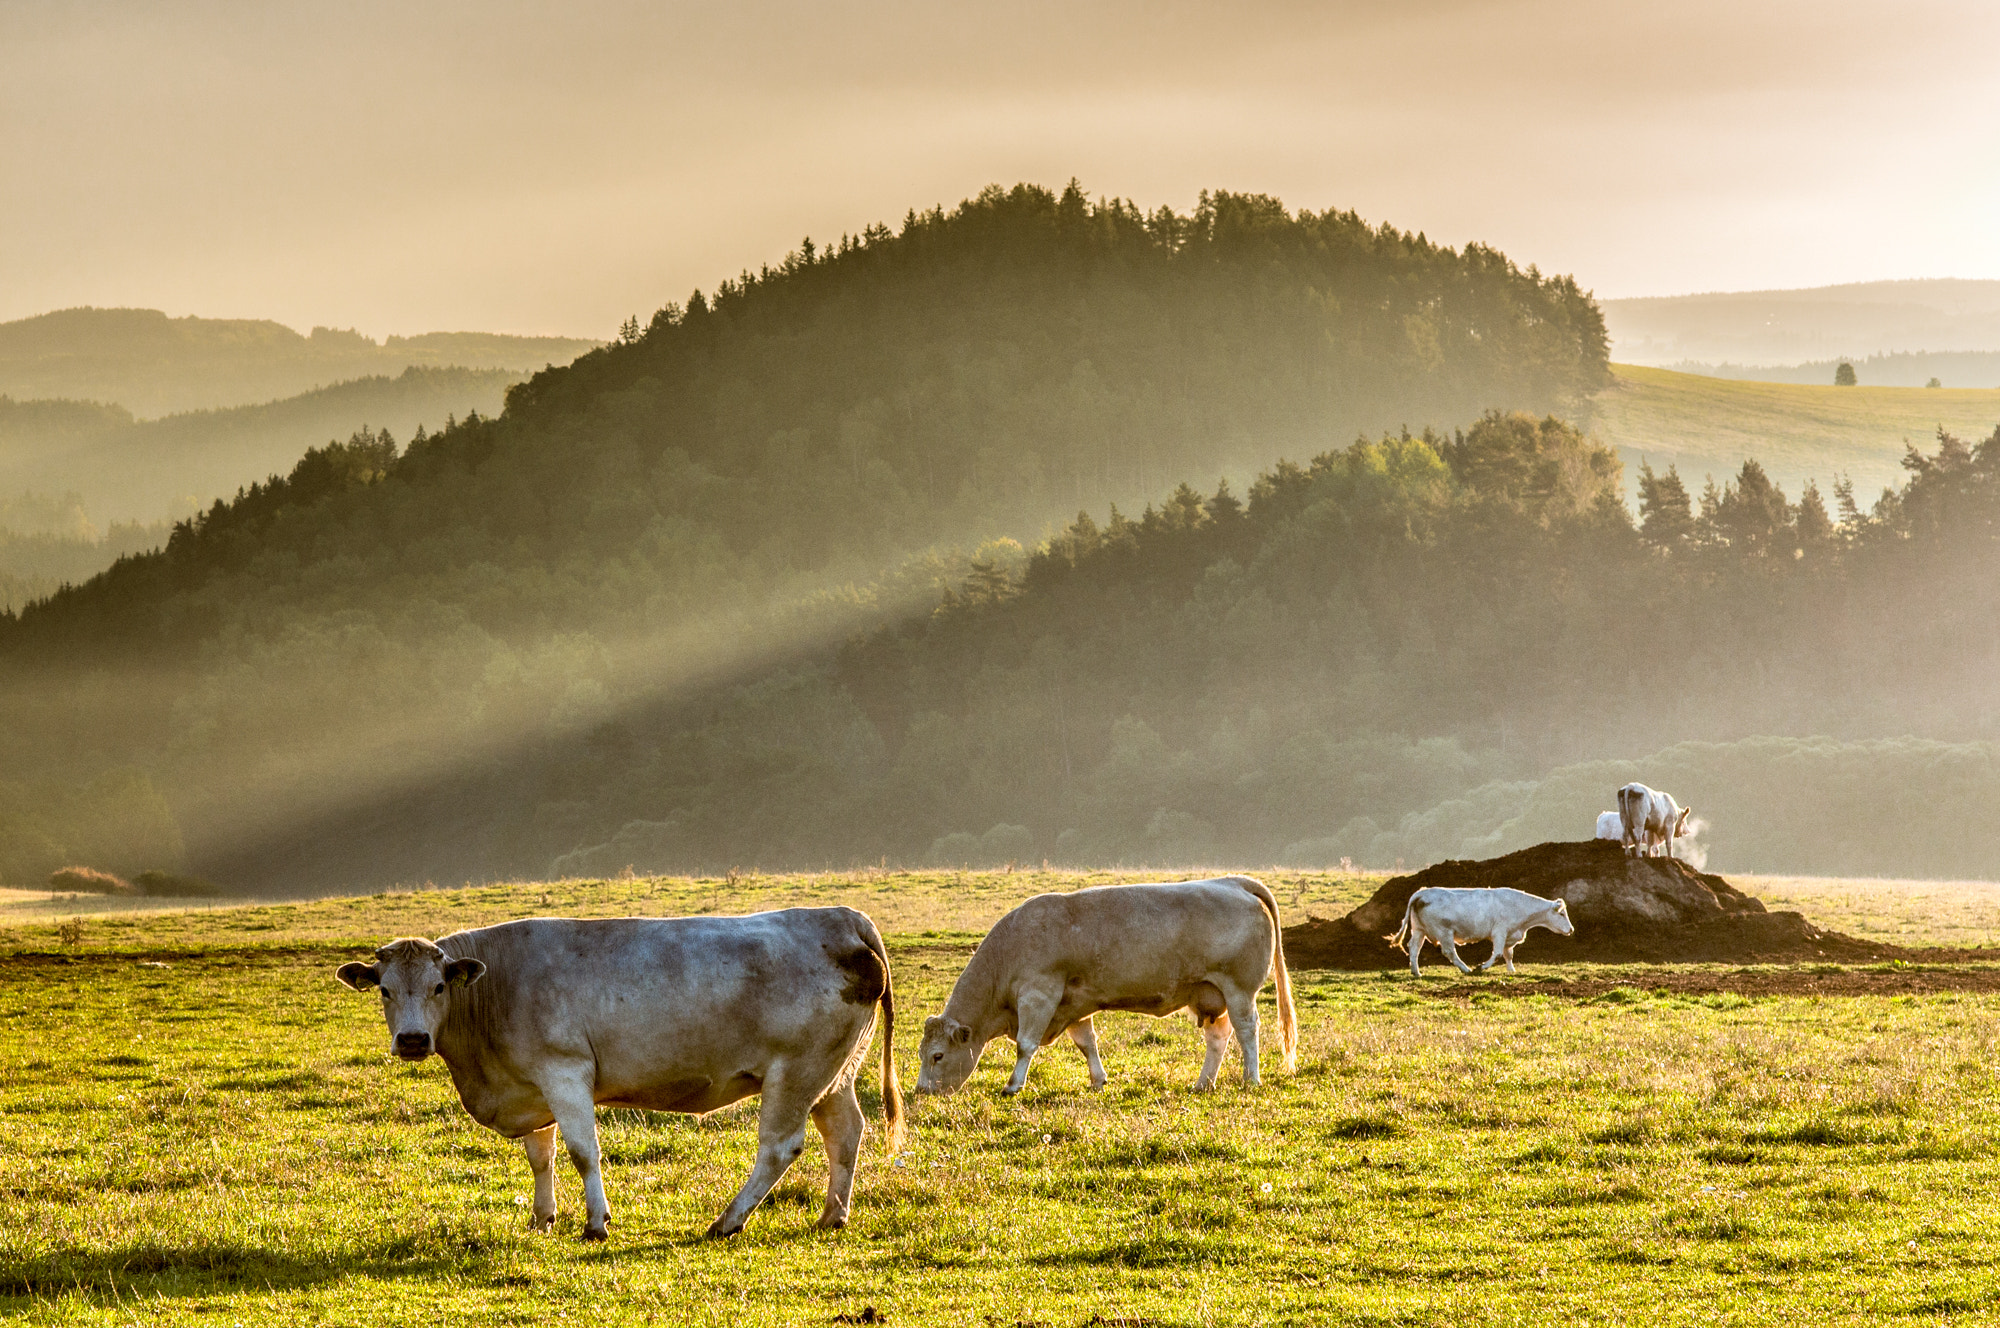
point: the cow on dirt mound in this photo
(1652, 821)
(542, 1021)
(1050, 965)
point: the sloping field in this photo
(204, 1128)
(1711, 425)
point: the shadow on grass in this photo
(159, 1269)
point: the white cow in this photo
(1050, 965)
(1501, 916)
(1651, 820)
(542, 1021)
(1610, 826)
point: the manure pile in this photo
(1626, 909)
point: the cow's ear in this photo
(464, 972)
(961, 1034)
(359, 976)
(931, 1023)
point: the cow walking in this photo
(1451, 917)
(1049, 966)
(1651, 820)
(542, 1021)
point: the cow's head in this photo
(947, 1056)
(1558, 916)
(416, 980)
(1681, 823)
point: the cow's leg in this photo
(1211, 1014)
(1513, 939)
(569, 1097)
(1449, 944)
(1084, 1033)
(781, 1137)
(1416, 949)
(838, 1116)
(541, 1150)
(1033, 1012)
(1243, 1016)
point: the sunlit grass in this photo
(1796, 431)
(1957, 914)
(203, 1127)
(899, 901)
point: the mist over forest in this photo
(1040, 528)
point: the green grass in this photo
(1796, 432)
(223, 1140)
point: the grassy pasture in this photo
(203, 1127)
(1795, 431)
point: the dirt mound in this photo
(1626, 910)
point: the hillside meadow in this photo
(205, 1128)
(1797, 432)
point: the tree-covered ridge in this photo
(1368, 637)
(977, 369)
(748, 476)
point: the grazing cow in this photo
(1610, 826)
(543, 1020)
(1651, 820)
(1050, 965)
(1502, 916)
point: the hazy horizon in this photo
(513, 170)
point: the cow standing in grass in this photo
(1050, 965)
(542, 1021)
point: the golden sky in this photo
(428, 164)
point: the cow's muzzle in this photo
(413, 1046)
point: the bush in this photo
(173, 885)
(88, 881)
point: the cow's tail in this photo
(1409, 921)
(892, 1093)
(1288, 1014)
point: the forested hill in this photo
(690, 501)
(1413, 648)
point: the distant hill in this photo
(1959, 368)
(1790, 327)
(126, 470)
(437, 634)
(153, 365)
(1797, 432)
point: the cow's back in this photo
(1142, 934)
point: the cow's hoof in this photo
(540, 1223)
(720, 1229)
(1011, 1092)
(832, 1221)
(591, 1235)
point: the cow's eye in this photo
(937, 1057)
(440, 990)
